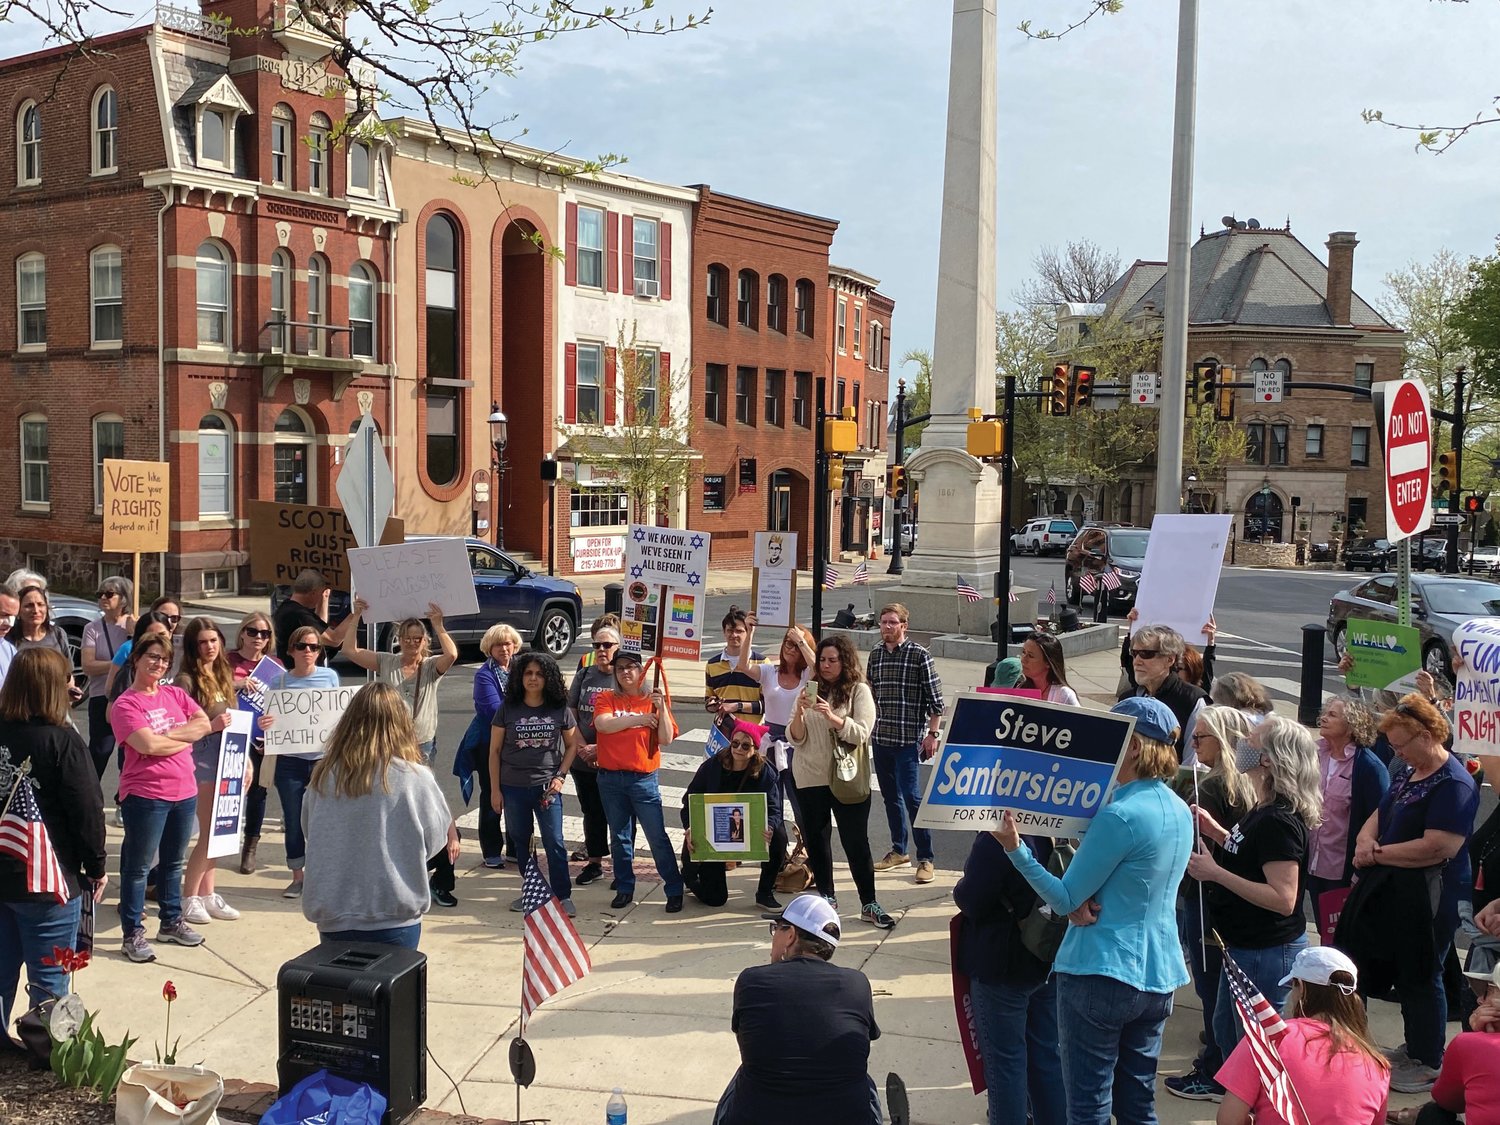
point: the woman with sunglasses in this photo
(257, 640)
(157, 724)
(413, 671)
(737, 768)
(164, 610)
(293, 771)
(102, 637)
(588, 681)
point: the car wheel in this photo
(1337, 640)
(554, 633)
(1435, 660)
(75, 655)
(1071, 591)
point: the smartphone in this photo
(810, 691)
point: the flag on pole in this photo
(23, 836)
(830, 576)
(1014, 597)
(1052, 594)
(966, 591)
(554, 956)
(1110, 579)
(1264, 1028)
(1087, 582)
(862, 573)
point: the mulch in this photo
(35, 1097)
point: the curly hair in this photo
(554, 693)
(839, 691)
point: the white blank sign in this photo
(1181, 577)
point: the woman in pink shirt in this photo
(157, 725)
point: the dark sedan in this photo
(1439, 604)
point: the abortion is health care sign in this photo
(1051, 766)
(1476, 695)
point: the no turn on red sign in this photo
(1406, 434)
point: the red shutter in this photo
(627, 253)
(570, 262)
(664, 385)
(665, 270)
(612, 257)
(609, 386)
(570, 383)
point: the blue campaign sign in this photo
(1051, 766)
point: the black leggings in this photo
(255, 796)
(819, 809)
(709, 883)
(595, 823)
(101, 737)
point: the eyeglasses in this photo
(775, 926)
(307, 646)
(155, 658)
(601, 645)
(741, 744)
(258, 633)
(1197, 738)
(1145, 653)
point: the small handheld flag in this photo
(1111, 579)
(1052, 594)
(554, 956)
(862, 573)
(1264, 1029)
(23, 836)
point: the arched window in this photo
(109, 444)
(717, 289)
(443, 364)
(36, 463)
(804, 306)
(1285, 367)
(281, 290)
(31, 301)
(282, 126)
(215, 467)
(361, 168)
(776, 303)
(317, 304)
(747, 310)
(106, 127)
(362, 311)
(29, 144)
(293, 457)
(317, 154)
(213, 296)
(106, 297)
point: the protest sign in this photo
(136, 505)
(1386, 656)
(253, 693)
(399, 581)
(728, 826)
(1476, 695)
(963, 1008)
(304, 718)
(1051, 766)
(776, 553)
(667, 555)
(229, 787)
(1023, 692)
(662, 621)
(774, 597)
(1180, 578)
(286, 539)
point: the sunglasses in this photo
(307, 646)
(258, 633)
(1145, 653)
(741, 744)
(171, 618)
(103, 595)
(601, 645)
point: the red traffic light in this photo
(1472, 504)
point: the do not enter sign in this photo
(1406, 426)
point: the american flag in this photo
(1052, 594)
(1110, 579)
(554, 954)
(1087, 582)
(1014, 597)
(862, 573)
(1264, 1028)
(966, 591)
(830, 576)
(23, 835)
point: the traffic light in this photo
(1224, 399)
(895, 480)
(1083, 387)
(1205, 383)
(1059, 399)
(984, 439)
(1447, 472)
(840, 435)
(835, 474)
(1473, 504)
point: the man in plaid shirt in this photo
(908, 705)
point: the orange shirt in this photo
(635, 748)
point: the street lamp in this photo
(499, 437)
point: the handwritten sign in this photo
(304, 718)
(229, 787)
(1476, 695)
(286, 539)
(667, 555)
(401, 580)
(136, 505)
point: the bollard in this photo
(1310, 697)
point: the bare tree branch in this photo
(1095, 8)
(1079, 273)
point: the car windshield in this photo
(1463, 599)
(1130, 544)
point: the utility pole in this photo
(820, 508)
(898, 561)
(1457, 429)
(1002, 576)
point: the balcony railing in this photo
(288, 346)
(192, 23)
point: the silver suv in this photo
(1049, 534)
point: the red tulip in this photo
(169, 992)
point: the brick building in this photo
(181, 160)
(759, 342)
(857, 354)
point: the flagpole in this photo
(21, 773)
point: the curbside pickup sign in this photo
(1051, 766)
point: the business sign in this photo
(137, 508)
(229, 786)
(286, 539)
(1386, 656)
(1050, 766)
(1406, 432)
(1476, 695)
(667, 555)
(303, 718)
(401, 580)
(593, 554)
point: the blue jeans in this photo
(28, 932)
(161, 828)
(429, 752)
(1265, 968)
(1206, 963)
(292, 775)
(1424, 1009)
(896, 770)
(522, 804)
(404, 936)
(627, 794)
(1018, 1041)
(1110, 1038)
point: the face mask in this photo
(1247, 757)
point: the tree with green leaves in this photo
(918, 394)
(1477, 317)
(1424, 299)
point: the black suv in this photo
(1122, 548)
(1370, 555)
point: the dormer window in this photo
(212, 140)
(361, 168)
(215, 106)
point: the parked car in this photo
(1430, 553)
(1047, 534)
(545, 610)
(1121, 548)
(1370, 555)
(1438, 605)
(73, 614)
(1481, 560)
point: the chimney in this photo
(1341, 244)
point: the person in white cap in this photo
(804, 1027)
(1469, 1081)
(1337, 1073)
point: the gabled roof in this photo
(215, 91)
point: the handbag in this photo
(850, 780)
(795, 875)
(157, 1094)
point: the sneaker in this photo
(293, 889)
(444, 898)
(674, 904)
(516, 907)
(118, 820)
(194, 911)
(218, 908)
(137, 948)
(494, 862)
(572, 910)
(589, 874)
(1396, 1056)
(832, 900)
(180, 933)
(1195, 1087)
(614, 884)
(621, 900)
(891, 859)
(579, 855)
(875, 914)
(1413, 1078)
(767, 902)
(924, 871)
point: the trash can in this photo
(614, 598)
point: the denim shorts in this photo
(206, 759)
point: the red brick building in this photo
(196, 165)
(857, 353)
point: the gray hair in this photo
(1241, 690)
(1292, 757)
(309, 582)
(118, 584)
(21, 578)
(1161, 637)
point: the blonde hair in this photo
(1228, 725)
(1292, 756)
(252, 618)
(424, 646)
(374, 731)
(1154, 760)
(498, 634)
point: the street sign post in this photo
(1406, 433)
(1268, 386)
(365, 486)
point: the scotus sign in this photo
(1051, 766)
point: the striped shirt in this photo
(725, 677)
(907, 692)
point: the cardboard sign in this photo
(1476, 696)
(661, 621)
(286, 539)
(1386, 656)
(137, 507)
(728, 826)
(774, 597)
(594, 554)
(399, 581)
(304, 718)
(1050, 766)
(776, 552)
(257, 683)
(229, 787)
(1180, 578)
(667, 555)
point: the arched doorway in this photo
(1263, 515)
(787, 509)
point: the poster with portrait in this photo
(728, 826)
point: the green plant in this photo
(87, 1061)
(168, 993)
